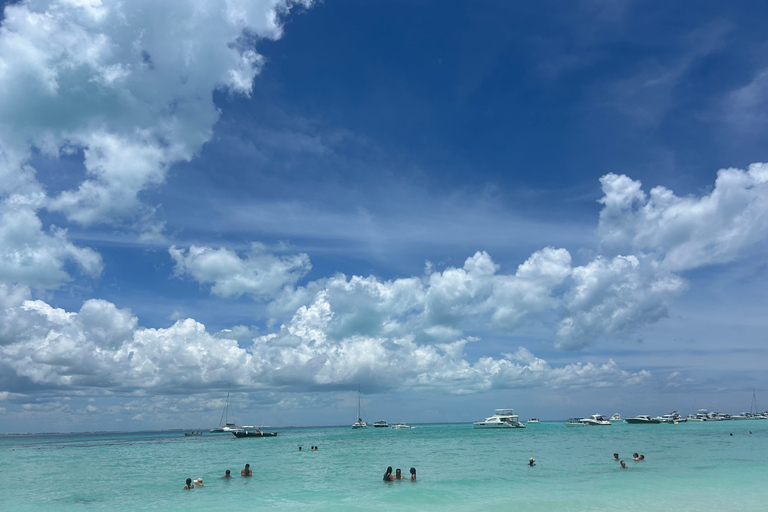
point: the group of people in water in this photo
(389, 477)
(311, 448)
(191, 484)
(635, 456)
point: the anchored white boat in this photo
(642, 419)
(400, 425)
(533, 420)
(502, 418)
(671, 417)
(228, 426)
(616, 417)
(575, 422)
(595, 419)
(380, 424)
(359, 423)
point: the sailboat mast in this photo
(225, 412)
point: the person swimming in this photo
(199, 482)
(388, 475)
(399, 475)
(531, 461)
(189, 485)
(636, 456)
(615, 456)
(413, 474)
(623, 465)
(246, 471)
(227, 474)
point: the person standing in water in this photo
(246, 471)
(413, 474)
(189, 485)
(227, 474)
(388, 475)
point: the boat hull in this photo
(481, 424)
(635, 421)
(254, 434)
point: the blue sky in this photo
(557, 207)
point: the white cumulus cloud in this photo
(130, 84)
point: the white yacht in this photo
(533, 420)
(671, 417)
(595, 419)
(642, 419)
(502, 418)
(575, 422)
(616, 417)
(400, 425)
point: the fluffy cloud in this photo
(614, 297)
(646, 242)
(690, 232)
(260, 274)
(31, 256)
(129, 84)
(101, 347)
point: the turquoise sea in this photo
(689, 466)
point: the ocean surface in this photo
(688, 466)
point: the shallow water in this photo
(688, 466)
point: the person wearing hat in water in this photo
(531, 461)
(189, 485)
(199, 482)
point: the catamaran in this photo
(359, 423)
(226, 426)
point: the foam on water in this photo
(688, 467)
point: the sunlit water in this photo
(693, 466)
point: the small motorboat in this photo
(616, 417)
(194, 433)
(400, 425)
(533, 420)
(380, 424)
(575, 422)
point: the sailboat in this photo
(359, 423)
(226, 426)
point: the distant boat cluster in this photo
(671, 417)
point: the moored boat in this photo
(380, 424)
(595, 420)
(228, 426)
(642, 419)
(253, 432)
(400, 425)
(502, 418)
(193, 433)
(575, 422)
(359, 423)
(616, 417)
(533, 420)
